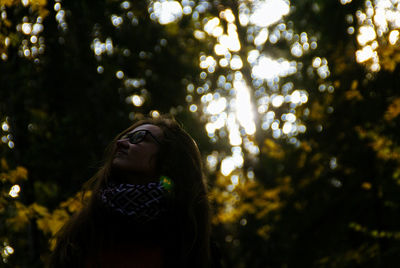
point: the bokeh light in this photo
(379, 24)
(14, 191)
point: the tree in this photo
(295, 111)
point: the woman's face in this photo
(136, 153)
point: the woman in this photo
(148, 206)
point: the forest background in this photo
(295, 107)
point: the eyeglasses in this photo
(138, 136)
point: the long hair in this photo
(187, 224)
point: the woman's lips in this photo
(120, 152)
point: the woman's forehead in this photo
(155, 130)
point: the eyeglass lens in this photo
(137, 136)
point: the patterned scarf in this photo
(140, 202)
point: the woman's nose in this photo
(124, 143)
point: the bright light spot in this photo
(9, 250)
(207, 62)
(275, 125)
(210, 128)
(216, 106)
(14, 191)
(236, 63)
(267, 13)
(302, 128)
(234, 135)
(227, 166)
(276, 133)
(125, 5)
(25, 2)
(199, 34)
(187, 10)
(119, 74)
(223, 62)
(137, 100)
(243, 18)
(262, 37)
(350, 30)
(210, 25)
(5, 126)
(116, 20)
(26, 28)
(323, 71)
(393, 37)
(33, 39)
(212, 160)
(218, 31)
(238, 159)
(333, 163)
(287, 128)
(220, 50)
(366, 34)
(230, 41)
(167, 11)
(336, 183)
(250, 174)
(235, 180)
(155, 114)
(297, 49)
(227, 14)
(277, 100)
(345, 2)
(109, 46)
(7, 41)
(253, 56)
(100, 69)
(316, 62)
(364, 54)
(290, 117)
(375, 67)
(244, 109)
(268, 69)
(11, 144)
(193, 108)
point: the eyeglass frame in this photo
(128, 136)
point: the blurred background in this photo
(295, 106)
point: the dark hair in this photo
(186, 228)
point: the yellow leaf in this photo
(264, 231)
(51, 223)
(366, 185)
(8, 2)
(21, 219)
(4, 164)
(353, 93)
(20, 173)
(58, 219)
(272, 149)
(41, 210)
(354, 85)
(317, 111)
(393, 110)
(39, 2)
